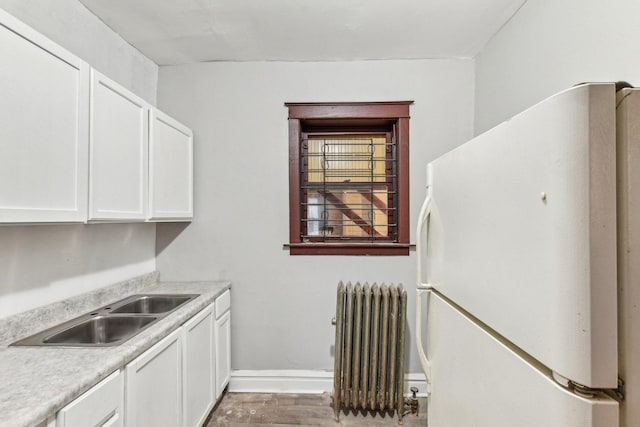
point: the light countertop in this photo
(36, 382)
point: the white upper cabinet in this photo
(75, 146)
(44, 110)
(170, 169)
(118, 152)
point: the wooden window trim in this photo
(338, 116)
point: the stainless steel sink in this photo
(102, 330)
(151, 304)
(111, 324)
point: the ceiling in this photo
(185, 31)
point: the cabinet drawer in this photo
(223, 303)
(100, 406)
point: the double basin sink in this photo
(110, 325)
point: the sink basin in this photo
(152, 304)
(101, 330)
(111, 324)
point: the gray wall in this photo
(45, 263)
(550, 45)
(282, 304)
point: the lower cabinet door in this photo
(154, 381)
(223, 352)
(101, 406)
(198, 368)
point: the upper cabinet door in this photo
(43, 128)
(170, 169)
(118, 166)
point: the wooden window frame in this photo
(312, 117)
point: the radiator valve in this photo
(413, 401)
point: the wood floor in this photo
(241, 409)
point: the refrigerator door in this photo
(522, 232)
(479, 381)
(628, 132)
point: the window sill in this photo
(374, 249)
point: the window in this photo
(349, 178)
(347, 188)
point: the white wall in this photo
(550, 45)
(282, 304)
(46, 263)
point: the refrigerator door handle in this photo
(423, 219)
(424, 360)
(423, 287)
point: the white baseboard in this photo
(301, 381)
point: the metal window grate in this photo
(348, 189)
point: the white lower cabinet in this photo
(102, 406)
(174, 384)
(154, 385)
(223, 342)
(198, 368)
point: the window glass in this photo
(347, 182)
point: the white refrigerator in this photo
(528, 268)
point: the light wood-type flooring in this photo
(241, 409)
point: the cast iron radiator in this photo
(370, 348)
